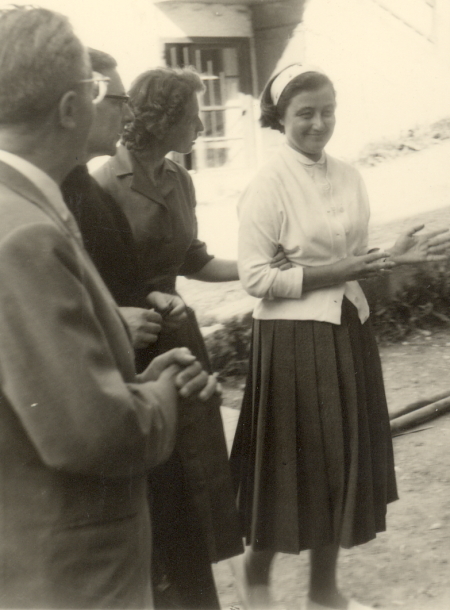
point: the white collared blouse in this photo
(319, 214)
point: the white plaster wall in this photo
(417, 13)
(181, 19)
(387, 76)
(441, 27)
(128, 29)
(133, 31)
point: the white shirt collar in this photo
(48, 187)
(305, 160)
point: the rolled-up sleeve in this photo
(196, 258)
(260, 223)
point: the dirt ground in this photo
(409, 565)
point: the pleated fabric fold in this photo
(312, 459)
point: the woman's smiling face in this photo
(309, 121)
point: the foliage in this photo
(229, 347)
(421, 304)
(408, 142)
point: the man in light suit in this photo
(78, 429)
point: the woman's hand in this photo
(144, 325)
(345, 270)
(170, 306)
(428, 247)
(280, 260)
(365, 266)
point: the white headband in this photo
(285, 77)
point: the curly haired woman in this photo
(192, 502)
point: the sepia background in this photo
(390, 64)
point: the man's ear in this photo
(67, 110)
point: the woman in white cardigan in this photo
(312, 458)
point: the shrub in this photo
(413, 140)
(423, 303)
(229, 347)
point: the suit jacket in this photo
(78, 432)
(107, 237)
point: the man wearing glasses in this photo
(78, 429)
(105, 229)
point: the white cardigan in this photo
(317, 221)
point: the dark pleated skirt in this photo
(312, 459)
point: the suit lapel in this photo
(18, 183)
(21, 185)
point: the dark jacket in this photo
(106, 235)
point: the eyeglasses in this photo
(120, 98)
(100, 87)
